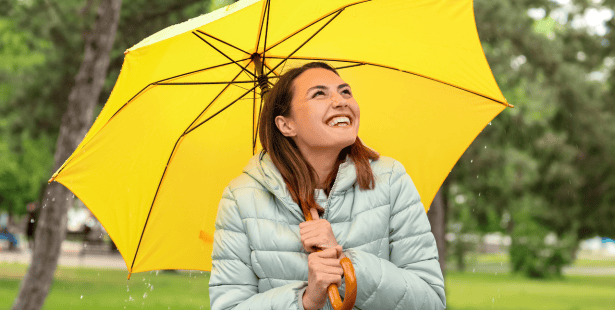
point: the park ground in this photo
(99, 282)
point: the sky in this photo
(593, 19)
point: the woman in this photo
(264, 254)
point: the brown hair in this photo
(298, 174)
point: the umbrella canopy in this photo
(182, 119)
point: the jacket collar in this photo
(261, 168)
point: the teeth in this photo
(340, 119)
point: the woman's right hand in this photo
(323, 269)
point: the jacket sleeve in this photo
(412, 279)
(233, 284)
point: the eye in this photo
(320, 92)
(347, 91)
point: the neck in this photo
(323, 161)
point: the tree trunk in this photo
(51, 228)
(437, 219)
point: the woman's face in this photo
(324, 113)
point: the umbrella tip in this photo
(51, 180)
(129, 273)
(126, 52)
(510, 105)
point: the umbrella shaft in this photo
(263, 82)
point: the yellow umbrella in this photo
(181, 121)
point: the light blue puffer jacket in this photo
(259, 262)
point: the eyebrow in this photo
(324, 87)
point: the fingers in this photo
(314, 213)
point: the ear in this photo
(285, 125)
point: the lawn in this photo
(88, 288)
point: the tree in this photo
(51, 229)
(543, 172)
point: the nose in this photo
(339, 101)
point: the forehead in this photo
(316, 76)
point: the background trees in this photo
(542, 172)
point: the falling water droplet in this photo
(127, 289)
(485, 146)
(81, 297)
(144, 295)
(31, 220)
(151, 288)
(478, 194)
(473, 270)
(493, 300)
(156, 272)
(477, 176)
(489, 123)
(471, 160)
(53, 199)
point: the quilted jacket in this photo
(259, 262)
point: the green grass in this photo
(478, 291)
(109, 289)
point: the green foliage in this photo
(544, 168)
(41, 47)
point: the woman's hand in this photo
(316, 234)
(323, 269)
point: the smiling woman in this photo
(314, 165)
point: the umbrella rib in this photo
(221, 110)
(306, 41)
(200, 70)
(392, 68)
(229, 44)
(260, 108)
(204, 83)
(314, 22)
(266, 32)
(143, 89)
(219, 51)
(260, 27)
(173, 152)
(254, 133)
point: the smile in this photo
(340, 121)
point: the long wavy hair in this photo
(299, 176)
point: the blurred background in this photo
(525, 220)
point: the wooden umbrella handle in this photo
(349, 278)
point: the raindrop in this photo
(478, 194)
(48, 192)
(485, 146)
(477, 176)
(471, 160)
(144, 295)
(489, 123)
(53, 199)
(31, 220)
(127, 289)
(81, 297)
(130, 298)
(151, 288)
(156, 272)
(66, 198)
(73, 196)
(493, 300)
(473, 270)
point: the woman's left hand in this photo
(316, 234)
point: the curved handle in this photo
(351, 288)
(349, 278)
